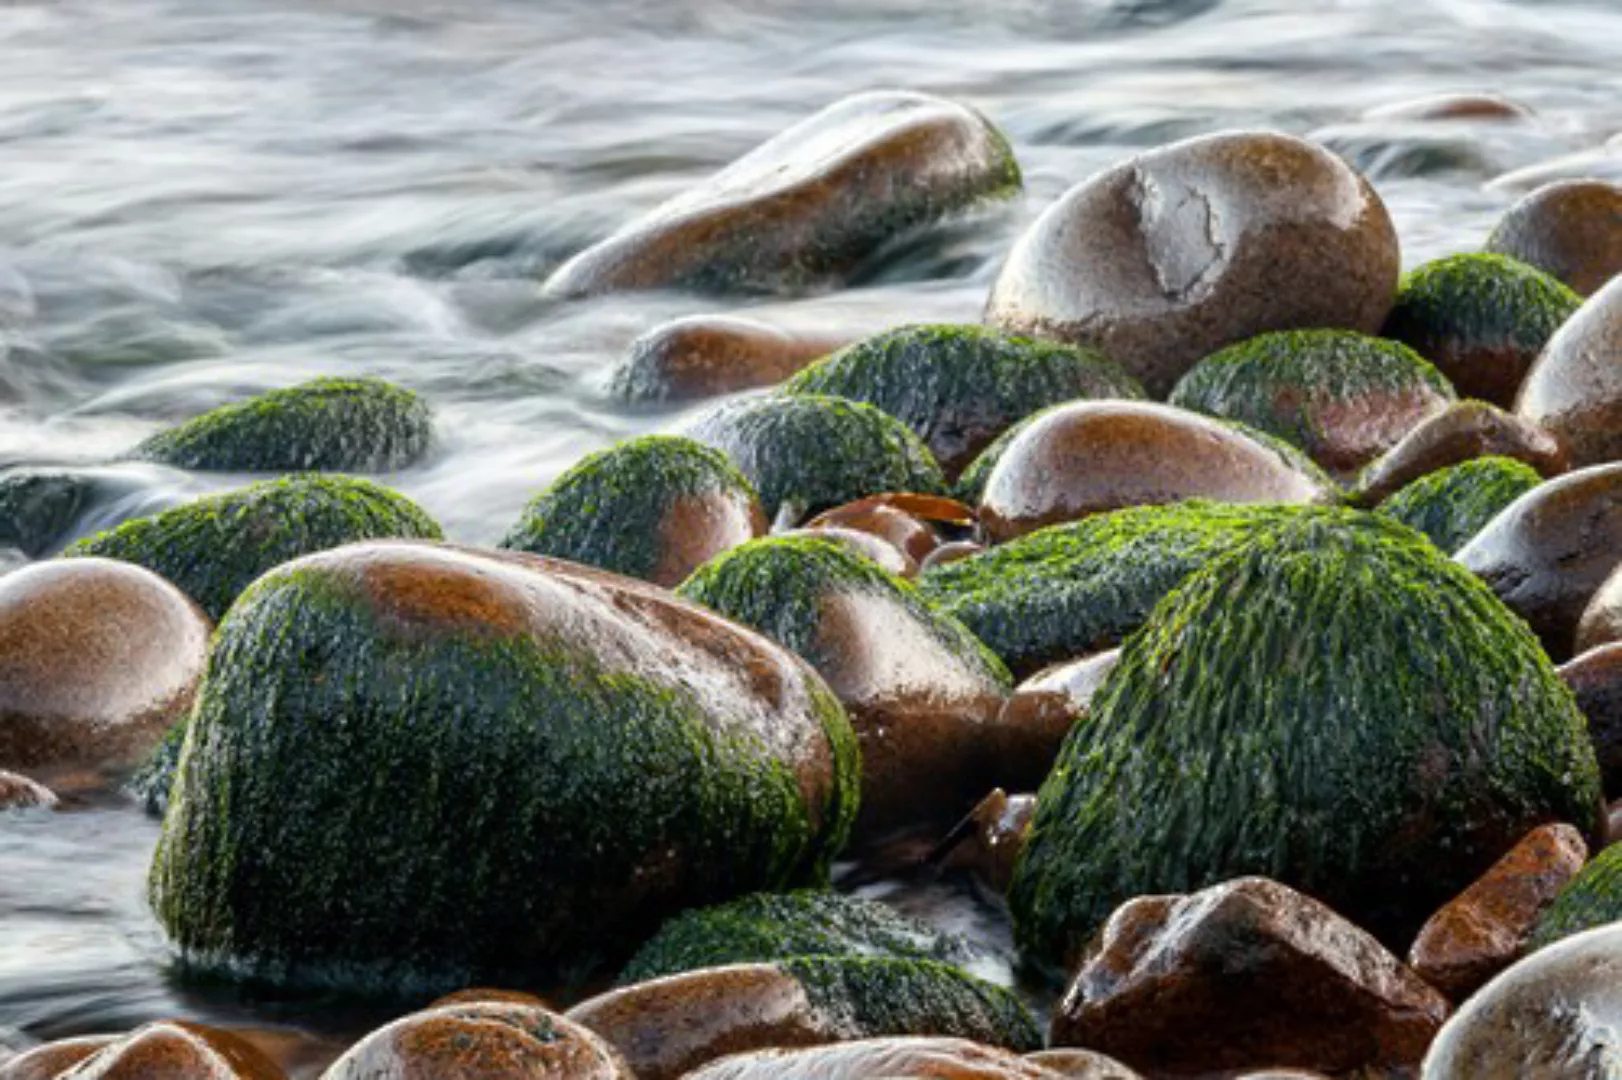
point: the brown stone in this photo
(1462, 432)
(1090, 457)
(1244, 975)
(474, 994)
(1485, 929)
(54, 1058)
(1601, 623)
(1595, 676)
(1571, 229)
(955, 551)
(1451, 107)
(704, 356)
(1613, 823)
(989, 841)
(1082, 1065)
(870, 1059)
(20, 793)
(1182, 250)
(697, 528)
(1574, 390)
(165, 1050)
(866, 544)
(97, 660)
(481, 1041)
(882, 519)
(1550, 550)
(1041, 712)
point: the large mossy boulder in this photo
(1334, 704)
(1451, 505)
(655, 508)
(215, 547)
(325, 425)
(959, 387)
(1591, 899)
(416, 768)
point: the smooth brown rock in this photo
(1574, 391)
(166, 1050)
(97, 660)
(1090, 457)
(704, 356)
(906, 532)
(1550, 550)
(1485, 929)
(1571, 229)
(1040, 713)
(870, 1059)
(1082, 1065)
(20, 793)
(697, 528)
(1451, 107)
(1246, 974)
(1601, 623)
(1182, 250)
(1595, 676)
(54, 1058)
(475, 994)
(1462, 432)
(955, 551)
(988, 842)
(866, 544)
(481, 1041)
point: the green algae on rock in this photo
(1593, 898)
(1451, 505)
(543, 761)
(655, 508)
(37, 506)
(215, 547)
(324, 425)
(1343, 397)
(811, 452)
(1334, 704)
(959, 387)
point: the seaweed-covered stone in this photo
(1334, 704)
(810, 206)
(1595, 677)
(1593, 898)
(18, 792)
(811, 452)
(1074, 589)
(324, 425)
(1344, 398)
(906, 1058)
(1571, 229)
(167, 1048)
(1451, 505)
(1575, 389)
(542, 759)
(707, 355)
(1459, 433)
(959, 387)
(655, 508)
(215, 547)
(37, 506)
(1481, 319)
(922, 692)
(1182, 250)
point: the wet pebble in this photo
(1040, 714)
(1571, 229)
(1575, 390)
(704, 356)
(989, 841)
(888, 522)
(1595, 676)
(1452, 107)
(872, 1059)
(954, 551)
(18, 792)
(164, 1049)
(1459, 433)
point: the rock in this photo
(1485, 929)
(1451, 107)
(53, 1059)
(1452, 505)
(1451, 737)
(217, 546)
(97, 660)
(1082, 1065)
(1070, 590)
(922, 693)
(948, 553)
(1571, 229)
(1092, 456)
(1592, 898)
(1481, 319)
(481, 1040)
(1040, 714)
(705, 356)
(655, 508)
(990, 840)
(1547, 552)
(809, 207)
(1613, 832)
(584, 754)
(809, 453)
(1460, 433)
(1601, 622)
(38, 506)
(1595, 676)
(20, 793)
(1555, 1014)
(959, 387)
(1575, 390)
(1245, 974)
(1342, 397)
(1185, 249)
(877, 550)
(325, 425)
(479, 995)
(908, 534)
(167, 1048)
(871, 1059)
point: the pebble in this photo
(1575, 390)
(1571, 229)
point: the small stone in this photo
(1040, 714)
(1451, 107)
(1595, 676)
(165, 1049)
(888, 557)
(479, 1041)
(20, 793)
(873, 1059)
(907, 533)
(1461, 432)
(1571, 229)
(1450, 506)
(1082, 1065)
(1575, 390)
(54, 1059)
(1601, 623)
(706, 356)
(954, 551)
(989, 841)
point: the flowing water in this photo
(201, 199)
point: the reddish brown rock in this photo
(97, 660)
(1595, 676)
(475, 994)
(952, 552)
(1243, 975)
(1451, 107)
(865, 544)
(1574, 390)
(54, 1058)
(1485, 929)
(1082, 1065)
(871, 1059)
(906, 532)
(1094, 456)
(20, 793)
(1040, 713)
(1182, 250)
(707, 355)
(1571, 229)
(1601, 623)
(1461, 432)
(988, 842)
(166, 1050)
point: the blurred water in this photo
(205, 198)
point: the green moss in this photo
(1593, 898)
(325, 425)
(1334, 705)
(608, 509)
(958, 387)
(38, 506)
(215, 547)
(1451, 505)
(813, 452)
(150, 783)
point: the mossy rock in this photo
(1078, 588)
(959, 387)
(215, 547)
(1335, 705)
(768, 927)
(150, 783)
(812, 452)
(1593, 898)
(653, 508)
(1342, 397)
(325, 425)
(39, 506)
(1451, 505)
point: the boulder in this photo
(704, 356)
(1041, 713)
(1575, 389)
(1461, 432)
(1450, 506)
(1570, 229)
(18, 792)
(1595, 677)
(870, 1059)
(166, 1048)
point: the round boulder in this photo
(705, 356)
(1571, 229)
(1451, 505)
(914, 1058)
(167, 1048)
(1459, 433)
(1575, 390)
(1595, 677)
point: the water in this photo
(205, 198)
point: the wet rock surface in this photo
(876, 549)
(1040, 713)
(18, 792)
(990, 840)
(1601, 623)
(164, 1049)
(912, 536)
(1575, 391)
(705, 356)
(1462, 432)
(1452, 107)
(1450, 506)
(53, 1059)
(1592, 898)
(1082, 1065)
(1571, 229)
(870, 1059)
(1595, 676)
(38, 506)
